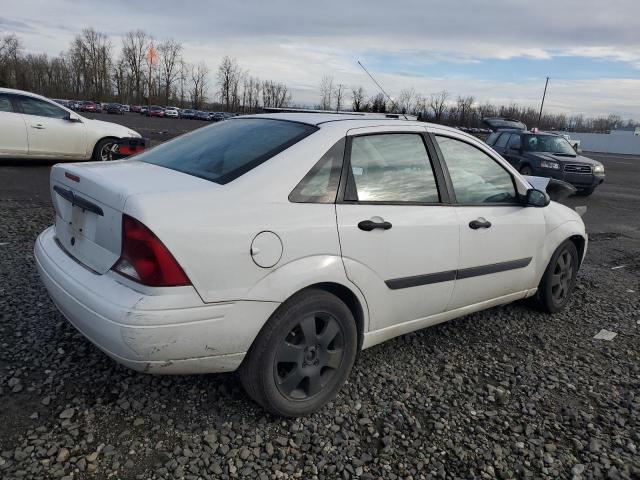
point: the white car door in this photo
(399, 238)
(499, 237)
(49, 131)
(13, 130)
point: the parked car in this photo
(144, 110)
(99, 106)
(337, 233)
(548, 155)
(188, 113)
(171, 112)
(114, 108)
(136, 108)
(32, 126)
(88, 107)
(155, 111)
(126, 108)
(201, 115)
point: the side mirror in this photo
(72, 117)
(536, 198)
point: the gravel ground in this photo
(505, 393)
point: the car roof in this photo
(354, 120)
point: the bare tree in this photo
(358, 99)
(10, 52)
(182, 80)
(406, 100)
(228, 78)
(275, 94)
(339, 93)
(251, 93)
(326, 92)
(378, 103)
(199, 75)
(169, 52)
(438, 104)
(134, 50)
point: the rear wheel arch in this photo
(351, 301)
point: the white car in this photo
(171, 112)
(281, 244)
(32, 126)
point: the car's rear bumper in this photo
(166, 330)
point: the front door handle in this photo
(479, 223)
(368, 225)
(38, 126)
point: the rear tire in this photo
(102, 152)
(302, 356)
(559, 279)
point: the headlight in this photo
(548, 164)
(598, 169)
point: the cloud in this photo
(416, 43)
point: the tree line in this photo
(143, 70)
(461, 111)
(139, 71)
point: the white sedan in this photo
(171, 112)
(282, 244)
(32, 126)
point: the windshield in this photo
(547, 143)
(224, 151)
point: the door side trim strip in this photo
(406, 282)
(447, 276)
(493, 268)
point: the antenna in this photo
(393, 104)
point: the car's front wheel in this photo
(302, 356)
(559, 279)
(526, 170)
(585, 192)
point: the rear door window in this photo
(391, 168)
(502, 141)
(225, 151)
(5, 104)
(491, 139)
(514, 142)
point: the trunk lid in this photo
(89, 200)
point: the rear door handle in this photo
(368, 225)
(479, 223)
(38, 126)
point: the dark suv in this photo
(547, 155)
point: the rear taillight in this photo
(145, 259)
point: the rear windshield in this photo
(224, 151)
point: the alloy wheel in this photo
(309, 356)
(106, 152)
(562, 277)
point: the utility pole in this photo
(542, 103)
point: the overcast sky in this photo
(497, 51)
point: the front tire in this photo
(559, 279)
(526, 170)
(302, 356)
(585, 192)
(102, 152)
